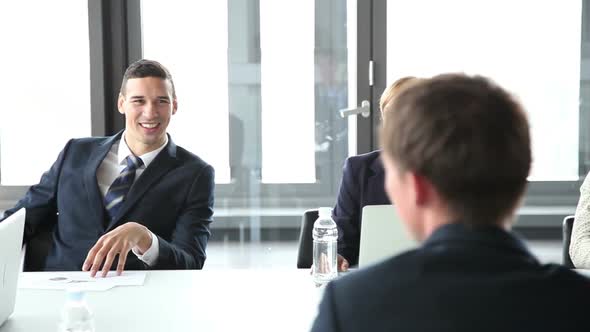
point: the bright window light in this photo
(287, 39)
(45, 88)
(530, 47)
(190, 39)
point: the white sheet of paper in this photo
(79, 280)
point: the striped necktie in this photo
(115, 196)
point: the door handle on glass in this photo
(364, 110)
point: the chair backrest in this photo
(568, 224)
(37, 250)
(305, 252)
(39, 245)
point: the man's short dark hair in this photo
(147, 68)
(467, 136)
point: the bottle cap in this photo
(74, 294)
(325, 212)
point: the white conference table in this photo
(207, 300)
(170, 301)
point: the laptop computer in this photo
(383, 235)
(11, 239)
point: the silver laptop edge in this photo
(11, 238)
(383, 235)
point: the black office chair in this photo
(39, 246)
(36, 252)
(568, 224)
(305, 252)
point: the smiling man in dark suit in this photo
(131, 201)
(457, 154)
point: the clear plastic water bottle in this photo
(325, 242)
(75, 315)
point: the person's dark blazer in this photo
(363, 179)
(461, 279)
(173, 198)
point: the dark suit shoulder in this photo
(365, 159)
(405, 293)
(83, 147)
(370, 280)
(91, 140)
(563, 274)
(88, 141)
(190, 158)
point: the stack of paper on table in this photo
(79, 280)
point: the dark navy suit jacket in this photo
(363, 179)
(173, 198)
(461, 279)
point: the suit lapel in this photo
(95, 199)
(162, 164)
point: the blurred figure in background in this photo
(362, 184)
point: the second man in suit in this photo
(457, 153)
(131, 201)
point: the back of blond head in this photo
(395, 88)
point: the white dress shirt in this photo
(109, 169)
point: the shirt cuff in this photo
(150, 256)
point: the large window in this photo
(287, 89)
(532, 48)
(45, 88)
(259, 84)
(539, 50)
(194, 46)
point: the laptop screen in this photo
(383, 235)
